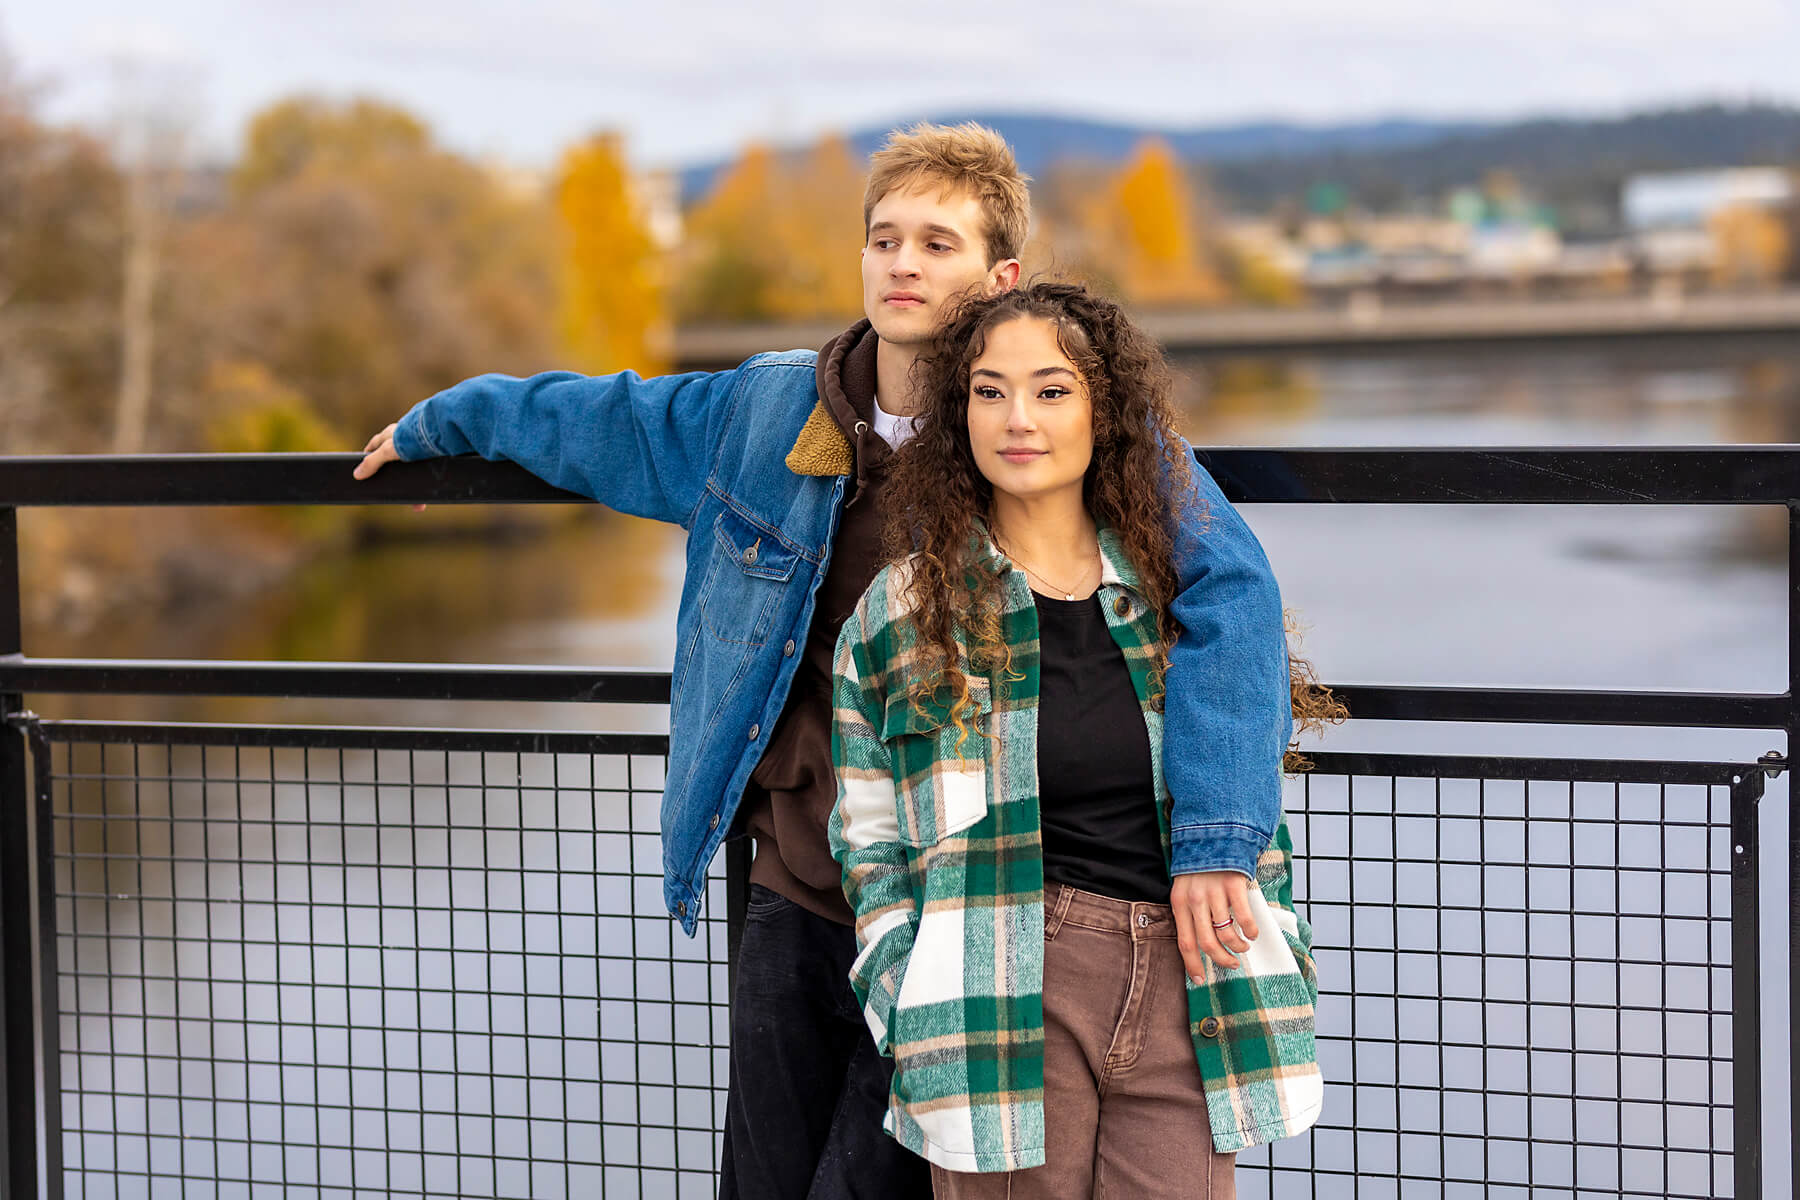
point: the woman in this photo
(1002, 819)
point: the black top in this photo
(1099, 803)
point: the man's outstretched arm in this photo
(1228, 712)
(641, 446)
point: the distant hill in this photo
(1039, 140)
(1576, 165)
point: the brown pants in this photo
(1124, 1110)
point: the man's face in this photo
(924, 249)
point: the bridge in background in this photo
(1366, 325)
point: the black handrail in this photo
(1762, 474)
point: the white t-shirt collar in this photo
(893, 430)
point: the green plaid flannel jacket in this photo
(937, 830)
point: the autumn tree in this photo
(1149, 220)
(307, 134)
(820, 229)
(727, 263)
(61, 200)
(610, 312)
(1752, 245)
(364, 268)
(776, 239)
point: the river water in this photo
(1529, 596)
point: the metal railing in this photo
(434, 962)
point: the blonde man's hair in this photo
(967, 157)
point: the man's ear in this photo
(1003, 277)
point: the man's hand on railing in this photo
(1202, 899)
(379, 451)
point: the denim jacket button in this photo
(750, 557)
(787, 651)
(754, 730)
(681, 908)
(714, 823)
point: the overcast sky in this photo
(690, 79)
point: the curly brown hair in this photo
(1139, 483)
(937, 499)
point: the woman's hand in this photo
(1201, 899)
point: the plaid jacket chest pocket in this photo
(940, 765)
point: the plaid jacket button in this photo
(1209, 1027)
(1121, 606)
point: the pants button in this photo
(1143, 920)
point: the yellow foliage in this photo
(610, 312)
(1258, 280)
(366, 268)
(777, 239)
(1155, 207)
(252, 412)
(1140, 230)
(822, 235)
(1752, 243)
(306, 133)
(257, 414)
(1161, 263)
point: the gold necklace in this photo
(1068, 593)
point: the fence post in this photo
(1746, 986)
(18, 1035)
(1792, 751)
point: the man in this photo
(776, 469)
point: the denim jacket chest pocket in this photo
(940, 765)
(750, 571)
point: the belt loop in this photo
(1054, 913)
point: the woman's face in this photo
(1031, 426)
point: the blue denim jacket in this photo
(752, 465)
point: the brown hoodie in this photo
(793, 789)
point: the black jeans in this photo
(808, 1091)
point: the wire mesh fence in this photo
(1527, 979)
(339, 970)
(339, 963)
